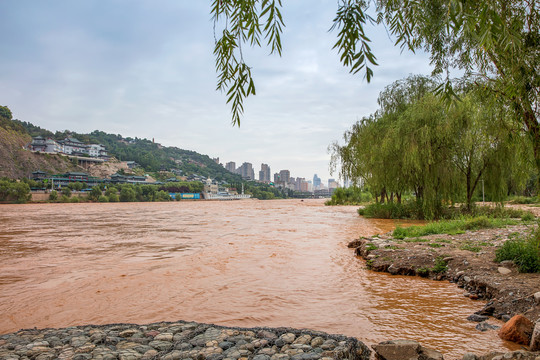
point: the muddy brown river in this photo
(236, 263)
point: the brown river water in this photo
(235, 263)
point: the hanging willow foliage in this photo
(417, 144)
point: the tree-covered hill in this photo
(15, 161)
(149, 155)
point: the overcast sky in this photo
(146, 69)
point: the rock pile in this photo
(179, 340)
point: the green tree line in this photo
(416, 144)
(14, 191)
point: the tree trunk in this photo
(533, 129)
(469, 189)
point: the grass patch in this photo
(524, 251)
(528, 216)
(470, 247)
(440, 265)
(415, 240)
(481, 222)
(413, 210)
(422, 271)
(452, 227)
(371, 246)
(483, 243)
(435, 245)
(522, 200)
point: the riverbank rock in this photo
(513, 355)
(518, 329)
(535, 338)
(404, 350)
(179, 340)
(485, 326)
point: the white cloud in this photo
(146, 70)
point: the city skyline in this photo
(249, 168)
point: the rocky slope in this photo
(16, 162)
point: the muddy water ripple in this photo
(238, 263)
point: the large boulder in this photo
(535, 338)
(404, 350)
(518, 329)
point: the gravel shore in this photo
(178, 340)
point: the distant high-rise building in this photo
(285, 176)
(298, 183)
(216, 160)
(264, 174)
(246, 171)
(276, 178)
(316, 182)
(231, 166)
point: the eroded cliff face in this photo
(16, 162)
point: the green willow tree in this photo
(416, 144)
(487, 145)
(495, 42)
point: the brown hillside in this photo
(16, 162)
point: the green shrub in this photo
(523, 251)
(497, 212)
(440, 265)
(349, 196)
(422, 271)
(66, 192)
(523, 200)
(53, 196)
(113, 197)
(95, 193)
(528, 216)
(409, 210)
(128, 194)
(74, 200)
(481, 222)
(103, 199)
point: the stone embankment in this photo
(193, 341)
(178, 340)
